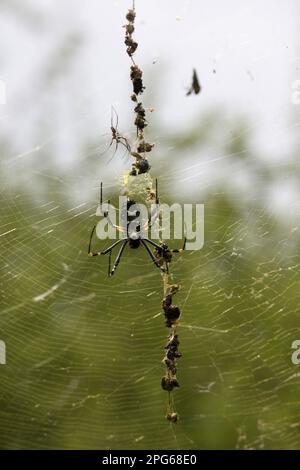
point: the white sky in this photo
(252, 45)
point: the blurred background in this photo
(84, 352)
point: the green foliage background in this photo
(83, 364)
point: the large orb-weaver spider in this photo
(162, 254)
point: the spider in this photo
(116, 136)
(162, 254)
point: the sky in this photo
(64, 65)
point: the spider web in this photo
(84, 352)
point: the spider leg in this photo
(98, 253)
(107, 149)
(180, 250)
(156, 192)
(106, 212)
(90, 252)
(115, 150)
(109, 262)
(153, 218)
(118, 227)
(107, 250)
(151, 254)
(114, 112)
(184, 243)
(117, 261)
(125, 152)
(128, 146)
(156, 245)
(125, 143)
(176, 250)
(111, 142)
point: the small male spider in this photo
(162, 254)
(116, 136)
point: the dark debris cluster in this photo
(171, 312)
(141, 164)
(169, 380)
